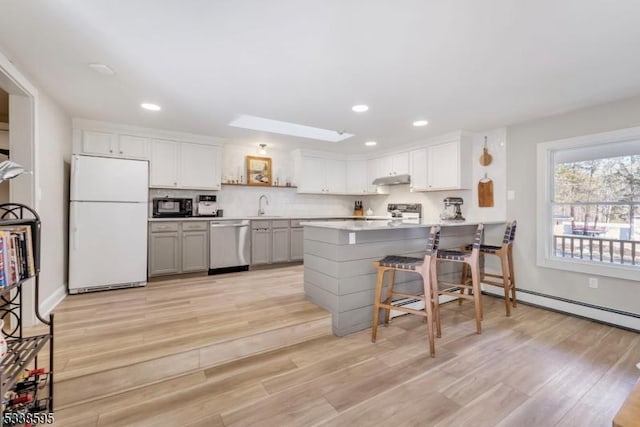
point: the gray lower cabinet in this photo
(270, 241)
(280, 243)
(297, 243)
(260, 246)
(178, 247)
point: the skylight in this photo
(285, 128)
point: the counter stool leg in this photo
(512, 277)
(506, 282)
(429, 309)
(475, 276)
(376, 304)
(390, 283)
(435, 299)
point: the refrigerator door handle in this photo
(76, 241)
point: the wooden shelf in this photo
(259, 186)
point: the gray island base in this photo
(338, 271)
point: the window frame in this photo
(545, 170)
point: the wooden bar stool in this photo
(470, 261)
(426, 267)
(507, 276)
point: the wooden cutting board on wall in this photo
(485, 193)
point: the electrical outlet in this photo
(593, 283)
(511, 195)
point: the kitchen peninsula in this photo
(338, 271)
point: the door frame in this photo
(23, 101)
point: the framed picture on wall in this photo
(258, 170)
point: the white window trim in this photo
(545, 151)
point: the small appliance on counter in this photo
(452, 211)
(208, 206)
(405, 212)
(358, 210)
(172, 207)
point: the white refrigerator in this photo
(107, 223)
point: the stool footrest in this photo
(400, 294)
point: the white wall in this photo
(521, 177)
(53, 155)
(4, 186)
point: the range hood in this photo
(393, 180)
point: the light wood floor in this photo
(248, 350)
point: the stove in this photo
(407, 212)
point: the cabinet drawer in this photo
(280, 223)
(164, 226)
(255, 225)
(200, 225)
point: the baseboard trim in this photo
(597, 313)
(53, 300)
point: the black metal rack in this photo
(22, 352)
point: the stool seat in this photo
(401, 262)
(489, 249)
(452, 255)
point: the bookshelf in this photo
(26, 387)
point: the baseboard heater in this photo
(609, 316)
(107, 287)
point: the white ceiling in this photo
(461, 64)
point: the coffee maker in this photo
(207, 205)
(452, 211)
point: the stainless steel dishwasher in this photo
(229, 246)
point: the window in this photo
(589, 204)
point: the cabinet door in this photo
(335, 176)
(418, 169)
(400, 163)
(357, 177)
(384, 166)
(98, 143)
(199, 166)
(443, 166)
(297, 244)
(164, 253)
(164, 163)
(313, 172)
(260, 246)
(195, 245)
(280, 243)
(133, 147)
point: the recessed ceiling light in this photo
(418, 123)
(370, 143)
(101, 69)
(150, 107)
(360, 108)
(246, 121)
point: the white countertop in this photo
(269, 218)
(388, 224)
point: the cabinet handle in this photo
(175, 183)
(111, 151)
(121, 152)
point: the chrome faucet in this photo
(260, 208)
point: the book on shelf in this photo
(16, 254)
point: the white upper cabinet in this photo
(418, 169)
(316, 174)
(199, 166)
(449, 165)
(133, 147)
(394, 164)
(113, 145)
(101, 143)
(164, 163)
(184, 165)
(359, 177)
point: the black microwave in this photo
(172, 207)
